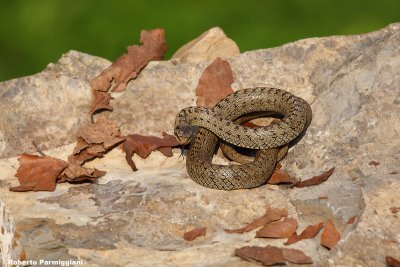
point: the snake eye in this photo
(183, 130)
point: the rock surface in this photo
(138, 219)
(49, 107)
(207, 47)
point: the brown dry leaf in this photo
(392, 262)
(166, 150)
(191, 235)
(80, 145)
(393, 172)
(77, 173)
(373, 163)
(95, 140)
(296, 256)
(144, 145)
(251, 124)
(271, 255)
(281, 176)
(330, 236)
(323, 197)
(394, 210)
(127, 67)
(37, 173)
(92, 151)
(270, 216)
(100, 101)
(278, 229)
(351, 220)
(316, 180)
(308, 233)
(214, 84)
(22, 255)
(268, 255)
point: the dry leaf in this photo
(127, 67)
(278, 229)
(271, 255)
(316, 180)
(268, 255)
(91, 151)
(394, 209)
(330, 236)
(250, 124)
(296, 256)
(308, 233)
(191, 235)
(323, 197)
(100, 101)
(281, 176)
(351, 220)
(144, 145)
(80, 145)
(95, 140)
(392, 262)
(270, 216)
(373, 163)
(214, 84)
(77, 173)
(393, 172)
(37, 173)
(166, 150)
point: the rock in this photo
(208, 46)
(47, 108)
(352, 83)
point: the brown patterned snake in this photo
(219, 122)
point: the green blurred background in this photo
(34, 33)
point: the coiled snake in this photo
(219, 121)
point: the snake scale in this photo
(219, 122)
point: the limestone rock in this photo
(49, 107)
(352, 83)
(208, 46)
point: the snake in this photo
(218, 123)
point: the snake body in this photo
(218, 122)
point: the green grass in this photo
(34, 33)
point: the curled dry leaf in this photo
(330, 236)
(308, 233)
(144, 145)
(191, 235)
(37, 173)
(100, 101)
(127, 67)
(392, 262)
(95, 140)
(316, 180)
(77, 173)
(278, 229)
(214, 84)
(271, 255)
(270, 216)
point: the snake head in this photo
(183, 133)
